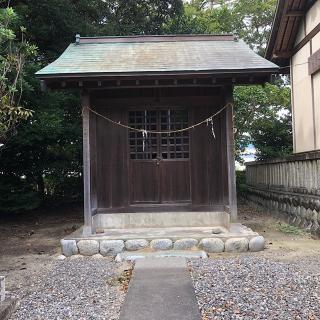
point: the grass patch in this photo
(121, 280)
(289, 229)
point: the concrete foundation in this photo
(160, 220)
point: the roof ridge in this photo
(156, 38)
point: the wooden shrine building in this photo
(138, 92)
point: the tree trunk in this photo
(40, 184)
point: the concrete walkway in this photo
(160, 289)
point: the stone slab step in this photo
(132, 256)
(160, 289)
(236, 230)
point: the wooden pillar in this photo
(87, 228)
(232, 190)
(93, 162)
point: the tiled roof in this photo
(156, 55)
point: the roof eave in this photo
(277, 23)
(275, 28)
(158, 73)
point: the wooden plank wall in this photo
(207, 168)
(112, 160)
(208, 162)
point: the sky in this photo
(248, 155)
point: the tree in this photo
(263, 118)
(273, 137)
(253, 21)
(14, 54)
(198, 19)
(130, 17)
(43, 160)
(52, 24)
(257, 108)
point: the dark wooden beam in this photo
(43, 86)
(282, 54)
(308, 37)
(87, 227)
(287, 21)
(314, 63)
(209, 81)
(232, 190)
(281, 33)
(93, 160)
(295, 13)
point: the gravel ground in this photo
(76, 289)
(253, 287)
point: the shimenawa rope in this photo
(160, 132)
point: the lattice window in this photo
(143, 147)
(166, 146)
(174, 145)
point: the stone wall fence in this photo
(288, 186)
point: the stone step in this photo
(90, 247)
(238, 238)
(132, 256)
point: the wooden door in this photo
(159, 163)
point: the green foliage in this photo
(52, 24)
(289, 229)
(16, 194)
(263, 117)
(262, 114)
(241, 182)
(129, 17)
(196, 20)
(273, 137)
(44, 159)
(46, 151)
(251, 20)
(14, 54)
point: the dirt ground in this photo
(29, 242)
(283, 242)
